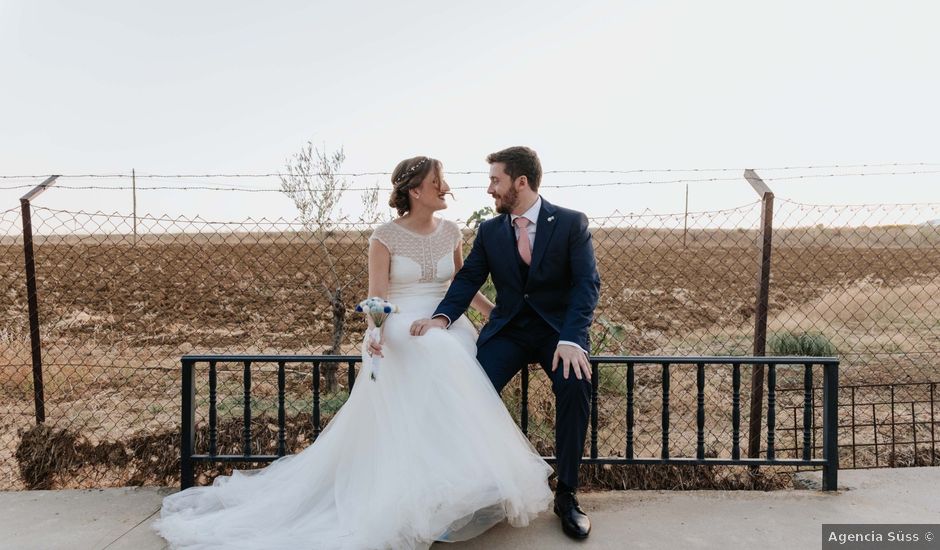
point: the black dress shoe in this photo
(574, 522)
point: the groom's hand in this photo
(421, 326)
(572, 358)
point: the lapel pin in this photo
(550, 218)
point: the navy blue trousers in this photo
(529, 339)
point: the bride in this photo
(426, 452)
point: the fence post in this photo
(32, 298)
(685, 221)
(831, 426)
(760, 310)
(134, 200)
(187, 425)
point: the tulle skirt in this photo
(426, 452)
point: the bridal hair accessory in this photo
(410, 171)
(378, 310)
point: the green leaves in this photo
(805, 344)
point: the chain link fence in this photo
(118, 308)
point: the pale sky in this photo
(236, 87)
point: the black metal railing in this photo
(880, 423)
(829, 462)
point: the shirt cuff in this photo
(444, 316)
(567, 343)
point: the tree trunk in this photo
(339, 329)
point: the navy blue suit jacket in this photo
(562, 286)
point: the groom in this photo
(542, 263)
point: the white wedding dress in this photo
(426, 452)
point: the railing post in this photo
(760, 310)
(831, 426)
(595, 376)
(32, 298)
(187, 424)
(524, 402)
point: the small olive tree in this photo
(315, 183)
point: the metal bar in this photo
(860, 386)
(269, 358)
(771, 409)
(552, 459)
(350, 374)
(665, 451)
(38, 190)
(758, 184)
(524, 401)
(213, 410)
(755, 412)
(187, 425)
(32, 300)
(700, 416)
(894, 454)
(690, 461)
(631, 382)
(933, 420)
(813, 407)
(796, 431)
(845, 406)
(685, 221)
(316, 400)
(736, 412)
(807, 409)
(914, 432)
(281, 420)
(874, 428)
(600, 359)
(831, 427)
(595, 380)
(702, 462)
(227, 459)
(246, 428)
(829, 462)
(852, 393)
(762, 305)
(134, 201)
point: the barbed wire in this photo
(616, 214)
(850, 174)
(372, 188)
(475, 172)
(219, 187)
(861, 205)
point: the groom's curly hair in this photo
(519, 161)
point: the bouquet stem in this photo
(376, 336)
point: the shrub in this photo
(804, 344)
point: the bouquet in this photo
(378, 310)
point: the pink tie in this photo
(524, 248)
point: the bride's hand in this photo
(375, 348)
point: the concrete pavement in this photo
(120, 518)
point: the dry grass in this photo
(116, 318)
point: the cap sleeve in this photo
(383, 234)
(453, 232)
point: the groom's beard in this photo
(505, 204)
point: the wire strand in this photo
(478, 172)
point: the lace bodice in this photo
(420, 264)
